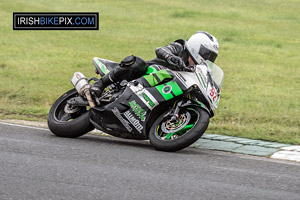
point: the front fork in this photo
(176, 111)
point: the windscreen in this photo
(217, 72)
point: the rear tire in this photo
(198, 122)
(67, 125)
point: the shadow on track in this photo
(97, 139)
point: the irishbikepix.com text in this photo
(56, 21)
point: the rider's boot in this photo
(98, 87)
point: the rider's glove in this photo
(176, 61)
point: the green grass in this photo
(259, 53)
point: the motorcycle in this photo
(169, 108)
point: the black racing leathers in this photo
(130, 68)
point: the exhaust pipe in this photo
(82, 86)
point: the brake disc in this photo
(175, 126)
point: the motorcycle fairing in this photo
(120, 117)
(130, 112)
(104, 66)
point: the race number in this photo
(213, 94)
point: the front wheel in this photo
(65, 120)
(173, 135)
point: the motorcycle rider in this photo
(177, 56)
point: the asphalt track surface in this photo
(34, 164)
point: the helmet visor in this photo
(207, 54)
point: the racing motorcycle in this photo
(172, 109)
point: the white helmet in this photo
(203, 45)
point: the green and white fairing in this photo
(209, 78)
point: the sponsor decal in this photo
(55, 21)
(122, 120)
(134, 121)
(138, 110)
(167, 89)
(144, 95)
(202, 78)
(147, 99)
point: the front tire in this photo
(165, 136)
(65, 121)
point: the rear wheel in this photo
(173, 135)
(65, 120)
